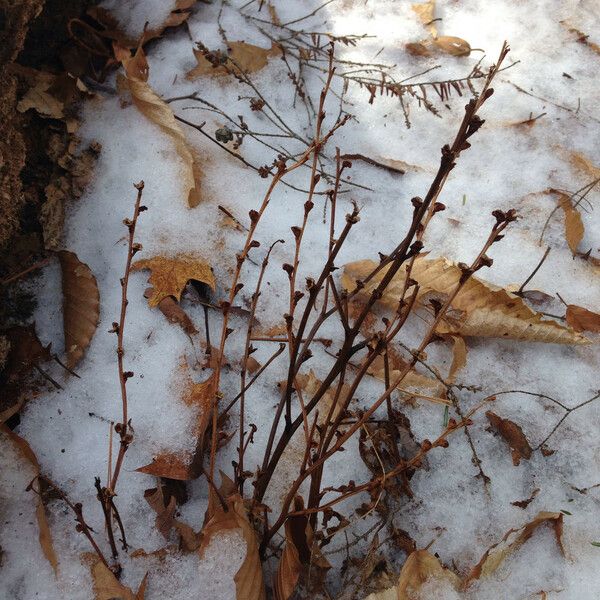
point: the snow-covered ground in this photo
(508, 166)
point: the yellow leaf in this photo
(241, 56)
(81, 305)
(156, 110)
(45, 536)
(484, 310)
(249, 578)
(169, 276)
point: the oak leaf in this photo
(241, 56)
(484, 309)
(169, 276)
(158, 111)
(81, 305)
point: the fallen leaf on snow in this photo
(453, 45)
(512, 540)
(582, 319)
(169, 276)
(581, 162)
(573, 224)
(249, 583)
(247, 57)
(81, 305)
(419, 567)
(513, 435)
(459, 357)
(156, 110)
(424, 11)
(184, 466)
(174, 313)
(45, 536)
(107, 586)
(484, 309)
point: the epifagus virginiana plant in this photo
(322, 413)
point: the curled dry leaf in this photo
(573, 224)
(453, 45)
(513, 435)
(459, 357)
(81, 305)
(45, 536)
(483, 308)
(174, 313)
(419, 567)
(156, 110)
(107, 586)
(247, 57)
(582, 319)
(512, 540)
(187, 465)
(249, 583)
(169, 276)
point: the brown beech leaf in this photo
(248, 57)
(174, 313)
(290, 566)
(249, 583)
(483, 309)
(453, 45)
(573, 224)
(156, 110)
(184, 466)
(23, 352)
(512, 540)
(582, 319)
(45, 536)
(169, 276)
(107, 586)
(513, 435)
(419, 567)
(81, 305)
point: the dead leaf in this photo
(174, 313)
(290, 567)
(495, 555)
(23, 352)
(513, 435)
(418, 48)
(81, 305)
(156, 110)
(582, 38)
(419, 567)
(169, 276)
(389, 164)
(45, 536)
(425, 12)
(459, 357)
(187, 465)
(241, 56)
(107, 586)
(573, 224)
(525, 503)
(582, 319)
(581, 162)
(484, 310)
(453, 45)
(249, 578)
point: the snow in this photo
(507, 167)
